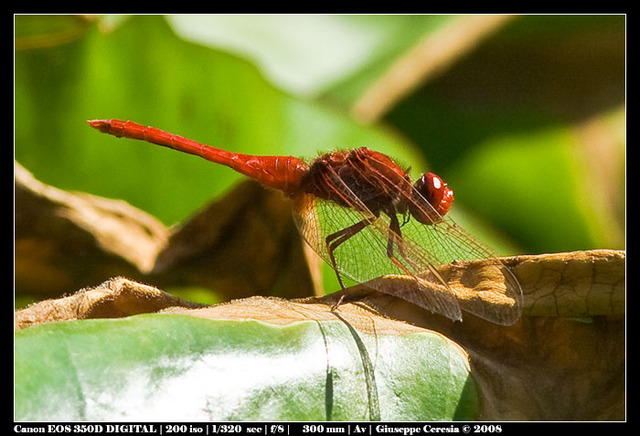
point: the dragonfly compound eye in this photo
(433, 189)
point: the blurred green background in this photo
(525, 119)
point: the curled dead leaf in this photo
(573, 284)
(240, 245)
(65, 240)
(595, 277)
(114, 298)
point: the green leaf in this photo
(173, 367)
(553, 205)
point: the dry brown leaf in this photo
(580, 284)
(572, 284)
(66, 240)
(114, 298)
(241, 245)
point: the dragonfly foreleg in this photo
(341, 236)
(337, 238)
(395, 238)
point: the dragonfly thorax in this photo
(359, 178)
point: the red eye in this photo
(436, 192)
(443, 196)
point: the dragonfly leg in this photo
(395, 237)
(335, 305)
(337, 238)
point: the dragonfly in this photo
(360, 211)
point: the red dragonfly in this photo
(361, 213)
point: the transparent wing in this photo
(446, 242)
(363, 256)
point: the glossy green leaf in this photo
(171, 368)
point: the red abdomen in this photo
(279, 172)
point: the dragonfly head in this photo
(436, 192)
